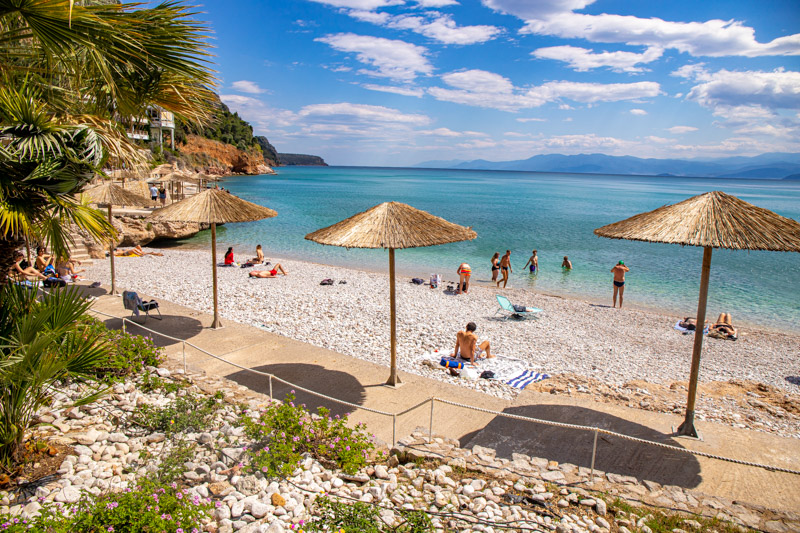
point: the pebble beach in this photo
(570, 336)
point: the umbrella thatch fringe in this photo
(111, 194)
(391, 225)
(712, 219)
(213, 206)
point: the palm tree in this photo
(71, 74)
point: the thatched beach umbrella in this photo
(110, 194)
(711, 220)
(213, 207)
(392, 225)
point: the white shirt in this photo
(153, 191)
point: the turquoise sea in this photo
(521, 211)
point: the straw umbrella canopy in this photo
(110, 194)
(392, 225)
(213, 207)
(711, 220)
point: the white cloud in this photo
(436, 3)
(681, 129)
(405, 91)
(523, 120)
(658, 140)
(393, 59)
(359, 113)
(247, 87)
(714, 38)
(640, 112)
(368, 5)
(447, 132)
(582, 59)
(774, 90)
(691, 71)
(480, 88)
(437, 26)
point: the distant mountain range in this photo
(765, 166)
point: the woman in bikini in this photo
(464, 272)
(259, 258)
(268, 273)
(495, 265)
(724, 326)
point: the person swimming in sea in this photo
(566, 264)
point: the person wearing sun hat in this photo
(619, 281)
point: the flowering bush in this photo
(358, 517)
(283, 432)
(129, 353)
(146, 508)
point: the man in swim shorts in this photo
(534, 262)
(505, 268)
(468, 346)
(619, 281)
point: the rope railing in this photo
(594, 430)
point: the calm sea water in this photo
(521, 211)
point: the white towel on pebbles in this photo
(504, 367)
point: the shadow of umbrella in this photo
(184, 328)
(334, 383)
(620, 456)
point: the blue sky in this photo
(397, 82)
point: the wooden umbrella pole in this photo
(111, 255)
(687, 428)
(216, 323)
(394, 379)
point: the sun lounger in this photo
(515, 310)
(132, 302)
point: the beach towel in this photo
(525, 378)
(504, 368)
(687, 331)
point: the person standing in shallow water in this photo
(505, 268)
(495, 265)
(566, 264)
(534, 262)
(619, 281)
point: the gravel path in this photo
(571, 336)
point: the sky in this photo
(399, 82)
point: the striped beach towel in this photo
(525, 378)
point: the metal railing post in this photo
(394, 431)
(430, 429)
(594, 454)
(123, 326)
(183, 344)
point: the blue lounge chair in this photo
(511, 310)
(134, 304)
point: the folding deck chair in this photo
(135, 305)
(512, 310)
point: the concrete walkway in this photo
(361, 383)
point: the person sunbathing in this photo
(66, 270)
(22, 274)
(268, 273)
(469, 347)
(136, 251)
(42, 258)
(259, 258)
(724, 326)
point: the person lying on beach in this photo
(136, 251)
(689, 323)
(468, 346)
(268, 273)
(22, 274)
(724, 327)
(259, 258)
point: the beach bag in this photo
(470, 374)
(326, 281)
(54, 282)
(487, 374)
(449, 363)
(520, 308)
(417, 281)
(49, 270)
(436, 279)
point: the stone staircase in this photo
(80, 249)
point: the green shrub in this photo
(129, 353)
(149, 507)
(283, 432)
(360, 517)
(186, 412)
